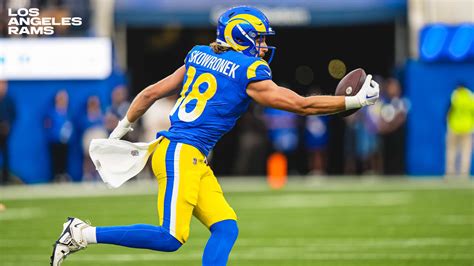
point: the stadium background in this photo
(378, 36)
(408, 40)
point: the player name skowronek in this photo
(223, 66)
(27, 21)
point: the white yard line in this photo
(266, 254)
(325, 200)
(20, 214)
(366, 242)
(233, 184)
(301, 243)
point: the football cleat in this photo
(70, 240)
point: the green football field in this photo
(310, 222)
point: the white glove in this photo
(368, 95)
(123, 127)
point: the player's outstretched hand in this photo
(123, 127)
(369, 93)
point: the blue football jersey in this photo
(213, 96)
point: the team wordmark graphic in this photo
(27, 21)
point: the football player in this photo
(215, 84)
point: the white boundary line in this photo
(231, 184)
(259, 255)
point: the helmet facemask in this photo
(261, 38)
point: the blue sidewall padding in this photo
(429, 88)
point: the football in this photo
(350, 85)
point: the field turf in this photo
(310, 222)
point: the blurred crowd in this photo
(98, 121)
(373, 137)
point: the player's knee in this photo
(173, 245)
(163, 240)
(227, 228)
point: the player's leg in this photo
(223, 236)
(216, 214)
(450, 153)
(179, 177)
(177, 197)
(178, 187)
(466, 155)
(77, 235)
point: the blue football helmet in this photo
(240, 27)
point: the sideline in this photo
(235, 184)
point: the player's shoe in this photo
(69, 241)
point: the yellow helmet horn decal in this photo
(253, 20)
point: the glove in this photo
(368, 95)
(123, 127)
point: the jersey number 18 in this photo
(194, 94)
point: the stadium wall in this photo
(429, 87)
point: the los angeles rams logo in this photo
(234, 22)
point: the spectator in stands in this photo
(93, 116)
(351, 165)
(154, 120)
(92, 127)
(362, 142)
(7, 117)
(59, 130)
(252, 143)
(157, 118)
(369, 140)
(391, 125)
(460, 127)
(120, 103)
(117, 109)
(362, 147)
(283, 131)
(316, 139)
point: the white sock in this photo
(89, 235)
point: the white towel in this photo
(118, 160)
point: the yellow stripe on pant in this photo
(187, 186)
